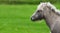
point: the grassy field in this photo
(16, 19)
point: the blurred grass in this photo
(16, 19)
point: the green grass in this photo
(16, 19)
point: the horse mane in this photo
(50, 6)
(53, 8)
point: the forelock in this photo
(41, 5)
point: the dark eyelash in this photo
(39, 10)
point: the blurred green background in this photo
(15, 16)
(27, 1)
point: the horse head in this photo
(42, 10)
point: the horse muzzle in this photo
(33, 19)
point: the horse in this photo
(50, 14)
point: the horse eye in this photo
(39, 10)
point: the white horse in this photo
(51, 15)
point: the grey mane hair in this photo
(53, 8)
(42, 4)
(49, 5)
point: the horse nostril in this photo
(32, 19)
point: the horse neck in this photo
(50, 19)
